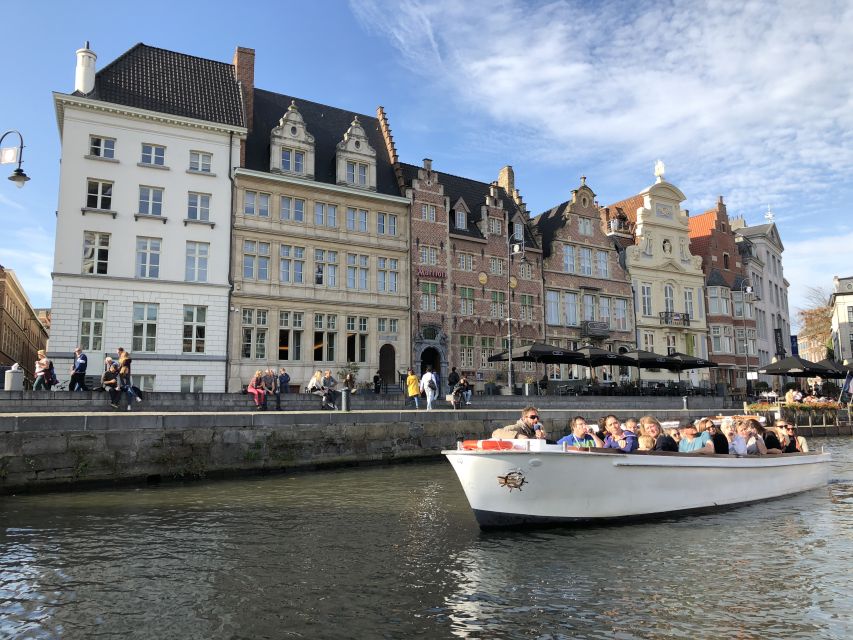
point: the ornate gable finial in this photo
(583, 181)
(292, 106)
(769, 216)
(660, 170)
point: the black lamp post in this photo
(745, 290)
(515, 248)
(18, 176)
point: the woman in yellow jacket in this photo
(413, 387)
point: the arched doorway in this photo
(431, 357)
(387, 364)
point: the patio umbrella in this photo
(839, 370)
(648, 360)
(685, 362)
(596, 357)
(539, 352)
(796, 367)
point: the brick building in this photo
(587, 290)
(475, 263)
(729, 296)
(21, 332)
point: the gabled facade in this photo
(842, 319)
(468, 278)
(587, 290)
(143, 221)
(729, 297)
(320, 259)
(666, 278)
(21, 332)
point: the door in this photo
(387, 364)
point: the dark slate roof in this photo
(548, 222)
(474, 193)
(716, 279)
(328, 126)
(165, 81)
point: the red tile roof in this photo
(703, 224)
(629, 206)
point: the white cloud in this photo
(813, 262)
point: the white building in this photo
(842, 318)
(770, 289)
(144, 218)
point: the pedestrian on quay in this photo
(377, 382)
(271, 386)
(283, 386)
(429, 385)
(413, 387)
(110, 381)
(453, 378)
(125, 378)
(78, 371)
(44, 372)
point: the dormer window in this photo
(355, 164)
(357, 173)
(518, 231)
(461, 220)
(292, 146)
(292, 160)
(495, 227)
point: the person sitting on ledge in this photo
(580, 436)
(527, 427)
(109, 381)
(625, 441)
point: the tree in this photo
(816, 322)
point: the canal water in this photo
(395, 553)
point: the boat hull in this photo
(517, 488)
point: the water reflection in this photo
(395, 552)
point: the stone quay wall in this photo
(41, 452)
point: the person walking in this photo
(42, 371)
(377, 382)
(125, 379)
(78, 371)
(453, 378)
(413, 387)
(429, 385)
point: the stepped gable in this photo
(474, 193)
(178, 84)
(701, 227)
(328, 126)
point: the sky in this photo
(749, 100)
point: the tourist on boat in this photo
(646, 443)
(413, 387)
(651, 427)
(618, 438)
(739, 445)
(632, 425)
(690, 440)
(580, 436)
(771, 440)
(717, 444)
(527, 427)
(673, 433)
(796, 443)
(754, 441)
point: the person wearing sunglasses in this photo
(527, 427)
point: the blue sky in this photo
(752, 101)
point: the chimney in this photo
(244, 72)
(84, 76)
(506, 179)
(427, 165)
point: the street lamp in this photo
(745, 289)
(11, 155)
(515, 247)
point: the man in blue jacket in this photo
(78, 371)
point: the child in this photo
(647, 443)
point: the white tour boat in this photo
(528, 482)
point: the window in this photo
(326, 268)
(290, 326)
(144, 327)
(603, 267)
(256, 260)
(466, 352)
(357, 271)
(688, 302)
(496, 266)
(356, 219)
(646, 297)
(153, 154)
(604, 311)
(461, 220)
(254, 344)
(649, 341)
(96, 252)
(356, 339)
(292, 160)
(718, 301)
(150, 201)
(620, 314)
(386, 224)
(588, 307)
(144, 381)
(196, 262)
(102, 147)
(497, 308)
(585, 226)
(391, 325)
(585, 261)
(552, 307)
(429, 296)
(386, 275)
(487, 350)
(568, 258)
(495, 227)
(291, 266)
(725, 261)
(525, 270)
(92, 316)
(256, 204)
(325, 332)
(428, 212)
(192, 384)
(670, 345)
(357, 173)
(466, 262)
(325, 215)
(526, 308)
(195, 318)
(668, 298)
(198, 206)
(99, 194)
(429, 255)
(292, 209)
(850, 315)
(147, 257)
(570, 309)
(518, 231)
(466, 301)
(200, 161)
(737, 304)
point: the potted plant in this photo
(530, 386)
